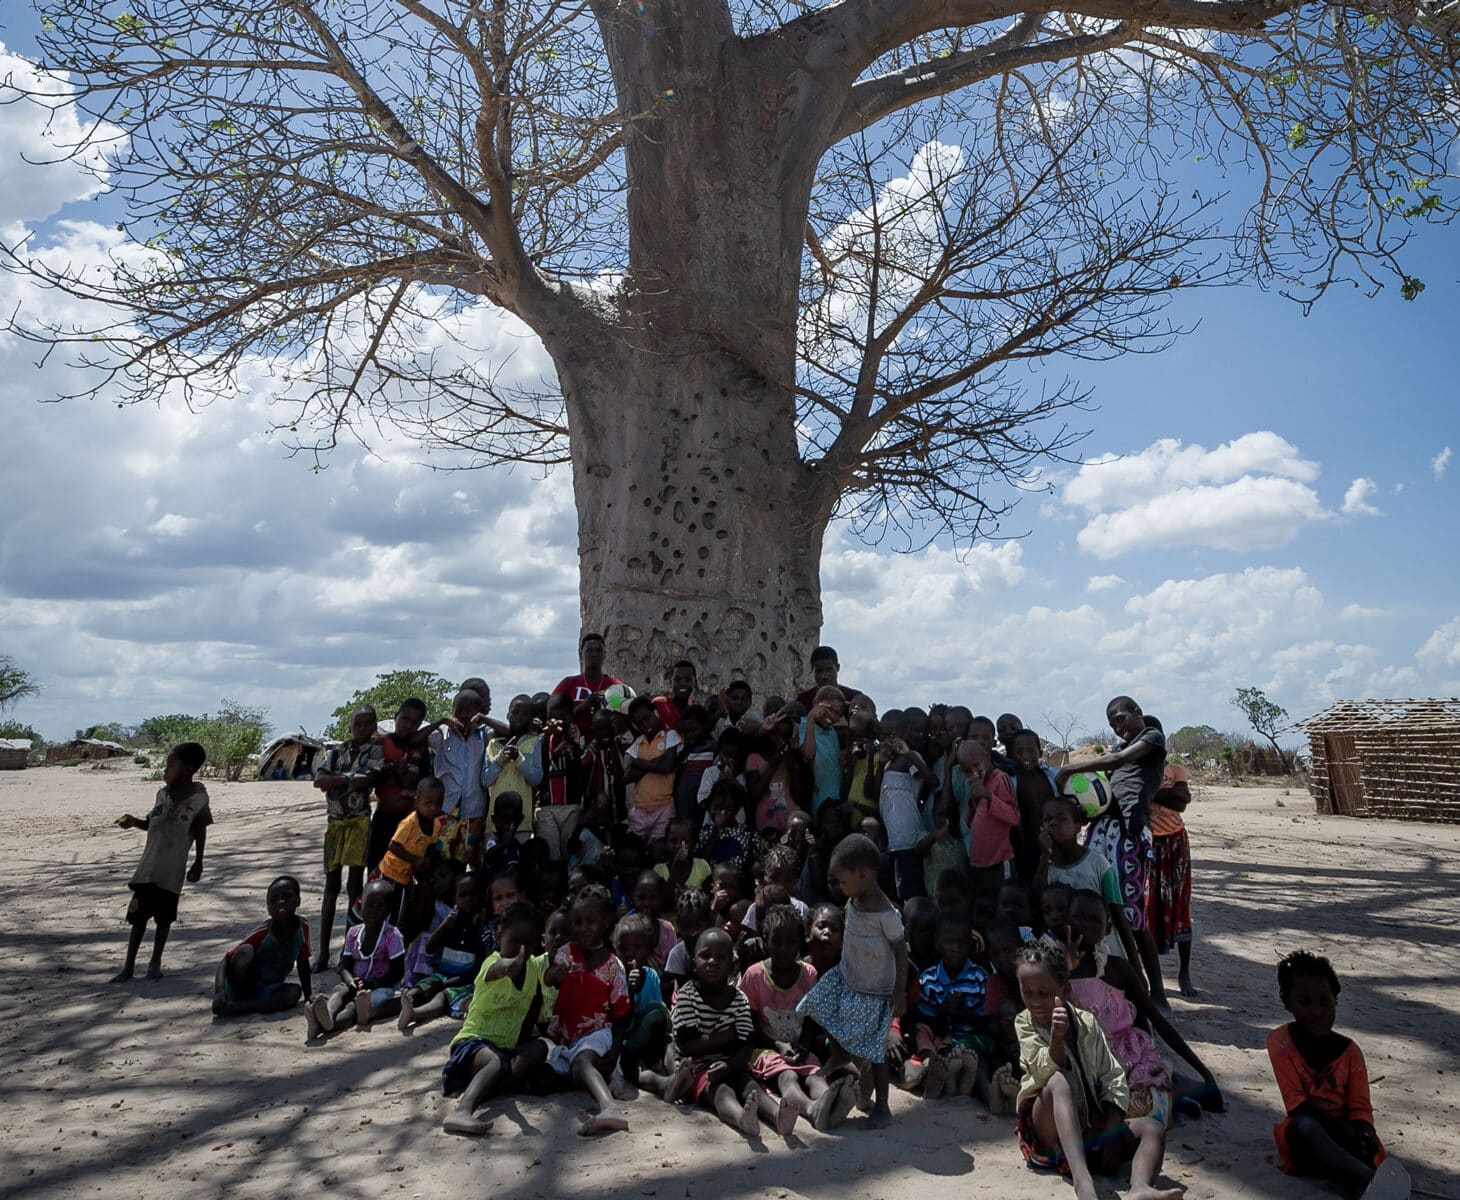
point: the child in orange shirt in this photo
(412, 841)
(1329, 1127)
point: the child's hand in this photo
(127, 821)
(1046, 843)
(195, 872)
(636, 979)
(1074, 949)
(1059, 1026)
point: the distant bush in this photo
(142, 760)
(231, 736)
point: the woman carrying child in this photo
(1072, 1103)
(856, 1001)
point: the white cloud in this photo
(1250, 493)
(1441, 651)
(1254, 513)
(1360, 612)
(1440, 463)
(1104, 583)
(1356, 498)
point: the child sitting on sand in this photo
(254, 976)
(635, 938)
(371, 965)
(495, 1050)
(713, 1031)
(173, 825)
(456, 950)
(1072, 1103)
(1329, 1128)
(591, 1009)
(951, 1026)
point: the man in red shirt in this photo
(584, 688)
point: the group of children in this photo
(776, 918)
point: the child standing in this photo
(494, 1049)
(652, 760)
(410, 845)
(458, 749)
(1072, 1103)
(172, 827)
(345, 775)
(512, 765)
(1033, 785)
(591, 1009)
(855, 1002)
(406, 763)
(902, 772)
(254, 976)
(371, 965)
(1065, 861)
(992, 815)
(683, 870)
(1329, 1128)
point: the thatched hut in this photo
(89, 749)
(1386, 758)
(14, 753)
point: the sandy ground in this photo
(136, 1090)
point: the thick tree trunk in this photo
(698, 536)
(700, 527)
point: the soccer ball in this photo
(617, 697)
(1090, 791)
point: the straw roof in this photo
(1378, 715)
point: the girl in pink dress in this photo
(782, 1062)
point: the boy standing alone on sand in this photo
(172, 826)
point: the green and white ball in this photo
(1091, 791)
(617, 696)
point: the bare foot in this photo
(785, 1119)
(610, 1120)
(403, 1023)
(123, 976)
(620, 1088)
(880, 1117)
(1003, 1095)
(749, 1123)
(154, 972)
(320, 1007)
(955, 1075)
(679, 1082)
(466, 1124)
(1153, 1193)
(1188, 989)
(364, 1008)
(312, 1028)
(968, 1081)
(935, 1081)
(866, 1091)
(846, 1100)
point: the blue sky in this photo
(1276, 518)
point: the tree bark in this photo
(699, 528)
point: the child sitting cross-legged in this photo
(591, 1010)
(783, 1062)
(1329, 1127)
(713, 1031)
(1073, 1100)
(495, 1052)
(456, 948)
(254, 976)
(952, 1027)
(371, 965)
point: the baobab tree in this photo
(790, 262)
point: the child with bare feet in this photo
(173, 825)
(857, 1000)
(591, 1009)
(951, 1026)
(371, 965)
(495, 1051)
(783, 1062)
(458, 947)
(254, 976)
(713, 1031)
(1072, 1104)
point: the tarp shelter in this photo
(14, 753)
(1386, 758)
(289, 757)
(88, 748)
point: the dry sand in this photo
(136, 1090)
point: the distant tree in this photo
(1062, 726)
(1263, 715)
(111, 731)
(163, 732)
(231, 736)
(1196, 741)
(14, 729)
(15, 684)
(388, 691)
